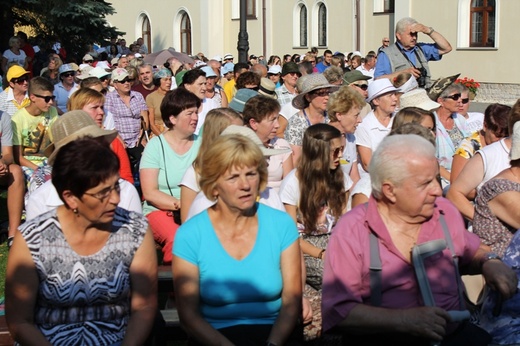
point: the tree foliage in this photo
(75, 23)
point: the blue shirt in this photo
(62, 96)
(232, 291)
(322, 67)
(383, 67)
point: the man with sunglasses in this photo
(409, 55)
(31, 125)
(358, 82)
(15, 96)
(65, 87)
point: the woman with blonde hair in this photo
(92, 101)
(218, 120)
(14, 55)
(222, 256)
(51, 72)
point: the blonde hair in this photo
(342, 101)
(217, 120)
(230, 151)
(82, 97)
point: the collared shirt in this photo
(284, 95)
(349, 248)
(370, 132)
(127, 120)
(9, 104)
(383, 66)
(62, 95)
(369, 73)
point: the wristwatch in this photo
(431, 31)
(490, 256)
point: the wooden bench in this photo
(165, 279)
(5, 336)
(172, 329)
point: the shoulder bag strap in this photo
(165, 167)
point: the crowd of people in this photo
(300, 199)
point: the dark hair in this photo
(306, 67)
(327, 51)
(240, 66)
(319, 185)
(259, 107)
(98, 163)
(295, 58)
(175, 101)
(496, 119)
(246, 78)
(192, 75)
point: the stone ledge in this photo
(503, 93)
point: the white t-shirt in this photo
(189, 179)
(207, 105)
(475, 121)
(288, 111)
(290, 188)
(13, 58)
(349, 157)
(275, 168)
(369, 133)
(46, 198)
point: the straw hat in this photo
(418, 98)
(267, 87)
(312, 82)
(247, 132)
(71, 126)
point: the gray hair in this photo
(140, 67)
(389, 162)
(453, 87)
(404, 23)
(333, 74)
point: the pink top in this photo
(346, 279)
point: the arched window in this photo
(482, 23)
(186, 34)
(303, 26)
(322, 25)
(146, 33)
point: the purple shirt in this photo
(127, 120)
(346, 279)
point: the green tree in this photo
(75, 23)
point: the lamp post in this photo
(243, 37)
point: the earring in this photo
(75, 211)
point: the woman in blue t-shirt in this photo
(236, 266)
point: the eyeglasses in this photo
(338, 152)
(47, 99)
(454, 97)
(20, 80)
(127, 80)
(363, 87)
(322, 92)
(103, 194)
(466, 100)
(385, 41)
(68, 74)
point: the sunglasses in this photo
(127, 80)
(454, 97)
(322, 93)
(88, 61)
(20, 80)
(466, 100)
(68, 74)
(104, 78)
(338, 152)
(47, 99)
(363, 87)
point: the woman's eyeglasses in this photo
(20, 80)
(363, 87)
(338, 152)
(47, 99)
(103, 194)
(454, 97)
(322, 92)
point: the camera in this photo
(421, 81)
